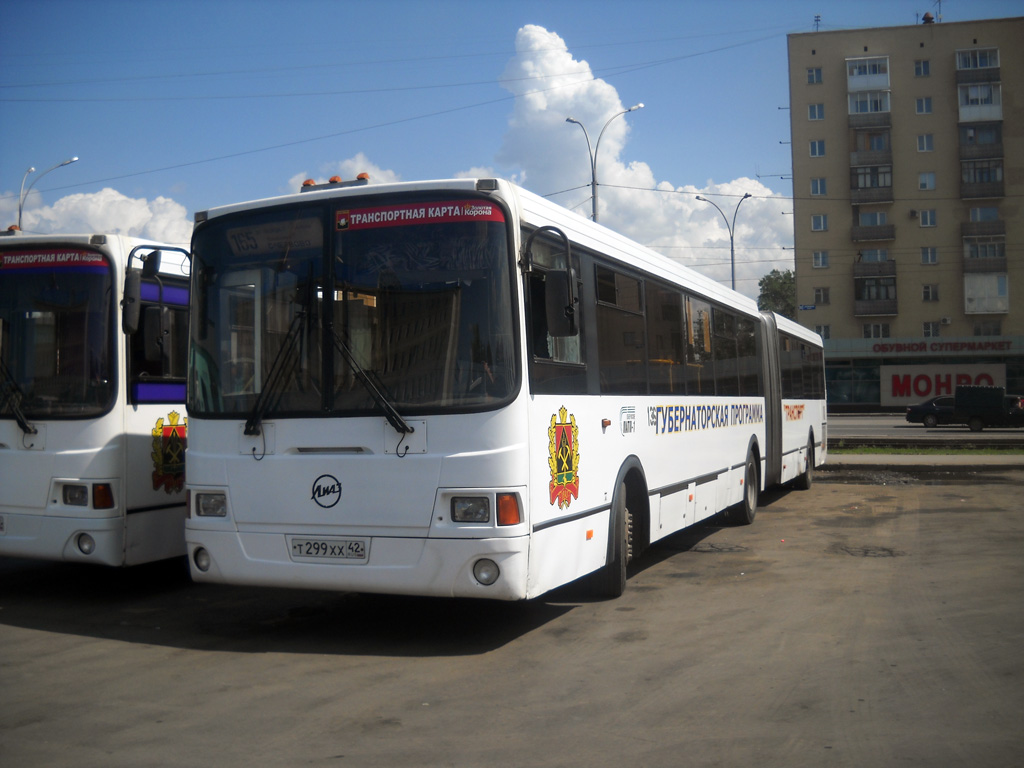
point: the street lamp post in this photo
(24, 192)
(593, 153)
(732, 231)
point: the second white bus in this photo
(458, 388)
(93, 341)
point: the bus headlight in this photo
(76, 495)
(86, 544)
(201, 558)
(211, 505)
(471, 509)
(486, 571)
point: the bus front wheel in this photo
(744, 512)
(610, 581)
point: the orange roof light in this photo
(309, 183)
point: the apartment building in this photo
(908, 175)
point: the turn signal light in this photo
(508, 509)
(102, 496)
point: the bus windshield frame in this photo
(57, 333)
(401, 304)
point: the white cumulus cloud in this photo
(549, 155)
(108, 211)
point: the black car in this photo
(931, 413)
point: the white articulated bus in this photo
(93, 358)
(458, 388)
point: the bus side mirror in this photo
(131, 305)
(151, 265)
(560, 303)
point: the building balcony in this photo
(982, 228)
(981, 151)
(861, 234)
(874, 269)
(980, 113)
(871, 120)
(985, 75)
(990, 264)
(981, 189)
(871, 157)
(870, 307)
(866, 195)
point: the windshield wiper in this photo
(12, 397)
(390, 413)
(282, 368)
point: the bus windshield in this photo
(55, 333)
(355, 310)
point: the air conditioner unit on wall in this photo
(947, 320)
(913, 214)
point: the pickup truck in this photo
(981, 407)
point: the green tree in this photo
(778, 292)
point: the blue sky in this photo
(174, 107)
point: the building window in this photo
(863, 67)
(869, 102)
(876, 288)
(988, 328)
(925, 143)
(978, 135)
(876, 330)
(821, 295)
(825, 331)
(928, 218)
(819, 259)
(819, 222)
(929, 255)
(871, 177)
(980, 94)
(816, 112)
(985, 213)
(924, 105)
(981, 171)
(818, 148)
(990, 247)
(813, 75)
(926, 181)
(818, 187)
(922, 68)
(873, 255)
(979, 58)
(930, 330)
(872, 219)
(929, 293)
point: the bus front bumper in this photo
(404, 566)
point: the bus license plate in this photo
(351, 551)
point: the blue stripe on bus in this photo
(172, 294)
(158, 392)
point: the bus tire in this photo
(744, 512)
(805, 480)
(610, 580)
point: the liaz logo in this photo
(326, 491)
